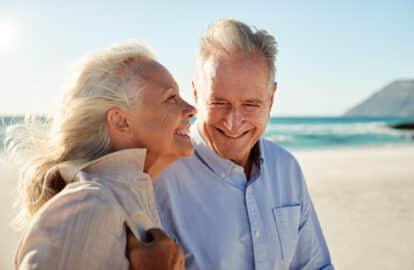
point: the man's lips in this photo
(232, 136)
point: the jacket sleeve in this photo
(80, 228)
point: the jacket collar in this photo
(110, 164)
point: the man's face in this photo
(233, 100)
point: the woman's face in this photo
(161, 120)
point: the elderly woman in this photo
(89, 180)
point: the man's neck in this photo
(253, 160)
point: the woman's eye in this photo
(172, 98)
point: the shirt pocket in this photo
(287, 220)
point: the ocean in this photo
(296, 133)
(332, 132)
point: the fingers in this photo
(156, 234)
(133, 242)
(161, 253)
(180, 259)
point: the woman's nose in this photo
(189, 110)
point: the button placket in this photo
(258, 245)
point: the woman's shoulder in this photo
(83, 214)
(78, 201)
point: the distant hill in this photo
(395, 99)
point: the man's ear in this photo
(194, 91)
(274, 88)
(117, 120)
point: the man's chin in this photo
(233, 155)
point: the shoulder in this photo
(275, 153)
(183, 167)
(85, 191)
(282, 169)
(78, 209)
(83, 215)
(78, 200)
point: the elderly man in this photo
(240, 202)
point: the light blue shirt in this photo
(223, 221)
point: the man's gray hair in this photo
(229, 36)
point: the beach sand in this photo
(8, 236)
(365, 203)
(364, 199)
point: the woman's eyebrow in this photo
(168, 90)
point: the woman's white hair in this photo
(78, 131)
(232, 36)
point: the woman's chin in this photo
(185, 151)
(189, 152)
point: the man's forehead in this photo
(210, 67)
(220, 62)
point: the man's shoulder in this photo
(282, 168)
(274, 152)
(179, 169)
(181, 164)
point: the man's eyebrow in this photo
(218, 99)
(254, 101)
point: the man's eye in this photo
(251, 105)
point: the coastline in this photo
(363, 197)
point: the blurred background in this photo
(344, 104)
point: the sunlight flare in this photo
(7, 35)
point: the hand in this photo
(161, 253)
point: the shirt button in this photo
(222, 175)
(257, 234)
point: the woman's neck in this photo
(154, 165)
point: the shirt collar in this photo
(111, 164)
(220, 166)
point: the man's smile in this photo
(232, 136)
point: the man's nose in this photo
(234, 119)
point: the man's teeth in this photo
(183, 132)
(233, 136)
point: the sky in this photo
(332, 54)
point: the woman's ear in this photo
(117, 121)
(119, 129)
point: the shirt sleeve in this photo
(80, 228)
(312, 252)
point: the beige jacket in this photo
(84, 225)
